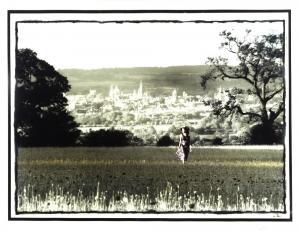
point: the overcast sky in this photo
(94, 45)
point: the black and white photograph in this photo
(151, 115)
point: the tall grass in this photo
(168, 200)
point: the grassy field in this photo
(219, 178)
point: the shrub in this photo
(217, 141)
(260, 134)
(165, 141)
(110, 138)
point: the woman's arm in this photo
(190, 145)
(180, 138)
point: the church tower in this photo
(140, 90)
(174, 94)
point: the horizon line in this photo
(128, 67)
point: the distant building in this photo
(114, 93)
(140, 91)
(92, 93)
(174, 96)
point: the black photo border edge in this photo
(9, 116)
(290, 114)
(11, 218)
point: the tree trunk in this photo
(264, 133)
(264, 114)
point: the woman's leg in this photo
(186, 153)
(182, 155)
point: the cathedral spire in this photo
(140, 90)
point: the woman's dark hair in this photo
(186, 129)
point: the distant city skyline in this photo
(93, 45)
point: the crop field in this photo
(147, 179)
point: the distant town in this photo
(150, 117)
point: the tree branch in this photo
(273, 94)
(278, 112)
(258, 93)
(251, 114)
(226, 75)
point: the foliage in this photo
(258, 134)
(261, 66)
(217, 141)
(110, 137)
(41, 118)
(165, 141)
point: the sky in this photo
(94, 45)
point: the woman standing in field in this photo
(184, 146)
